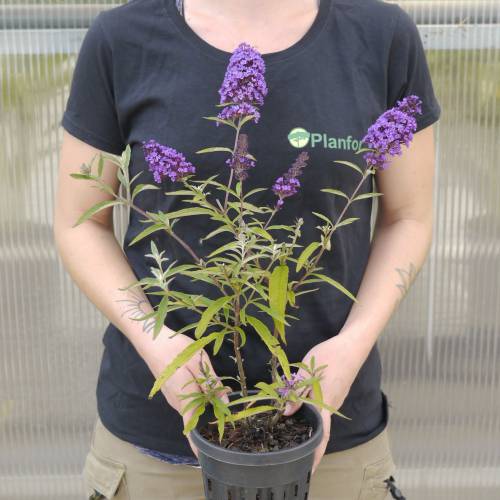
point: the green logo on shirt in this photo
(299, 137)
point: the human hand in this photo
(160, 353)
(343, 360)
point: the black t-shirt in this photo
(143, 73)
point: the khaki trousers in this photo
(115, 469)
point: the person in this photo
(151, 69)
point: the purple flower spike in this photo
(240, 163)
(165, 161)
(244, 84)
(290, 384)
(390, 131)
(288, 184)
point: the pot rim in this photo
(265, 457)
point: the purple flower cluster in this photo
(244, 85)
(290, 384)
(288, 184)
(165, 161)
(392, 129)
(240, 162)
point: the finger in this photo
(320, 450)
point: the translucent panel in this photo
(440, 352)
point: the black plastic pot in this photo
(274, 475)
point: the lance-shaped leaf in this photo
(336, 284)
(278, 285)
(336, 192)
(209, 313)
(349, 164)
(306, 253)
(263, 332)
(255, 410)
(94, 209)
(271, 342)
(160, 316)
(214, 149)
(197, 413)
(364, 196)
(142, 187)
(146, 232)
(220, 120)
(345, 222)
(182, 358)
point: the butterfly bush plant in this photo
(251, 273)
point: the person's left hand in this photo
(343, 360)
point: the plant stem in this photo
(332, 230)
(232, 171)
(237, 352)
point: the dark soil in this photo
(258, 436)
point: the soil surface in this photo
(258, 436)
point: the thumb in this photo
(291, 408)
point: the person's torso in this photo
(324, 92)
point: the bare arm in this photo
(401, 240)
(97, 264)
(90, 252)
(399, 248)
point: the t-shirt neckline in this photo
(269, 58)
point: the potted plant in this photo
(247, 448)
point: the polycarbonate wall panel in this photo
(440, 352)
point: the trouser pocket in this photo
(104, 478)
(375, 476)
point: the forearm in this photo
(397, 253)
(95, 261)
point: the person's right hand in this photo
(160, 352)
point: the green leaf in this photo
(146, 232)
(261, 232)
(283, 360)
(182, 358)
(323, 217)
(217, 119)
(321, 404)
(232, 245)
(278, 285)
(272, 313)
(191, 424)
(100, 165)
(349, 164)
(246, 119)
(363, 150)
(249, 412)
(215, 232)
(345, 222)
(336, 284)
(96, 208)
(125, 157)
(335, 191)
(186, 212)
(209, 313)
(263, 332)
(214, 149)
(306, 253)
(142, 187)
(367, 195)
(161, 315)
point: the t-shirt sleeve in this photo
(90, 112)
(408, 72)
